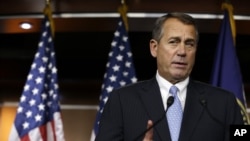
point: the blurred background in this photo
(83, 34)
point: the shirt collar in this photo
(165, 84)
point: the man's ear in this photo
(153, 47)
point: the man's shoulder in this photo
(142, 84)
(208, 87)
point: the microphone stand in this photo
(170, 101)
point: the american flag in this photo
(119, 69)
(38, 116)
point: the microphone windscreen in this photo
(170, 101)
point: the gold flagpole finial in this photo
(47, 2)
(48, 12)
(229, 7)
(123, 11)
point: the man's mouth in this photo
(179, 64)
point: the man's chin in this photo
(180, 77)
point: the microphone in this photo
(170, 101)
(203, 102)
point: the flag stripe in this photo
(50, 132)
(13, 134)
(34, 135)
(58, 127)
(25, 138)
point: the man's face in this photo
(175, 52)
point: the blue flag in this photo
(119, 69)
(226, 71)
(38, 114)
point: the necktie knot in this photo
(173, 90)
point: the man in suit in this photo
(207, 111)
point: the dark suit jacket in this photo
(207, 114)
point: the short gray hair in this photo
(184, 18)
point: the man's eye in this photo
(190, 44)
(173, 42)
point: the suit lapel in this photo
(151, 98)
(192, 112)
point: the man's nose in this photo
(181, 50)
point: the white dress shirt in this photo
(165, 86)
